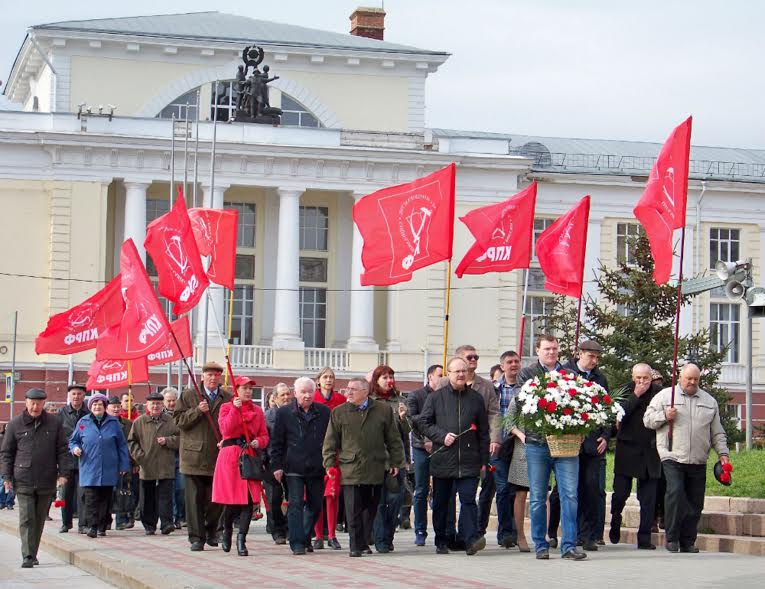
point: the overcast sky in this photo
(566, 68)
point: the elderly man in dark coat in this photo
(636, 457)
(70, 414)
(199, 452)
(34, 458)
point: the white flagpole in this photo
(523, 311)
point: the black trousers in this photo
(239, 514)
(684, 500)
(98, 507)
(306, 496)
(646, 494)
(485, 498)
(276, 520)
(157, 503)
(589, 494)
(202, 515)
(33, 509)
(73, 500)
(554, 521)
(360, 510)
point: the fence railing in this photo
(335, 358)
(252, 356)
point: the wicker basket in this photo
(565, 445)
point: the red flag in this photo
(503, 234)
(170, 243)
(78, 328)
(560, 249)
(215, 234)
(406, 227)
(661, 209)
(144, 327)
(112, 374)
(169, 352)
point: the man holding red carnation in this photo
(694, 417)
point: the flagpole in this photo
(194, 313)
(581, 274)
(172, 187)
(446, 310)
(677, 332)
(130, 389)
(228, 335)
(206, 313)
(523, 311)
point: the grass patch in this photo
(748, 475)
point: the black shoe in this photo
(280, 540)
(63, 529)
(382, 548)
(647, 546)
(101, 533)
(318, 544)
(507, 542)
(672, 547)
(600, 542)
(405, 524)
(543, 555)
(334, 544)
(241, 547)
(177, 524)
(150, 532)
(225, 540)
(476, 546)
(212, 541)
(197, 546)
(168, 529)
(82, 530)
(367, 550)
(553, 542)
(299, 551)
(442, 549)
(35, 561)
(309, 548)
(456, 545)
(590, 546)
(689, 549)
(355, 553)
(92, 533)
(27, 563)
(574, 555)
(120, 527)
(579, 542)
(131, 523)
(615, 533)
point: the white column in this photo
(759, 280)
(286, 311)
(135, 214)
(213, 199)
(362, 330)
(394, 342)
(686, 311)
(592, 258)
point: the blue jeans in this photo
(443, 491)
(421, 490)
(6, 499)
(179, 499)
(505, 501)
(541, 464)
(388, 511)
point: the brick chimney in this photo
(368, 22)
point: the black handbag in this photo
(251, 467)
(506, 449)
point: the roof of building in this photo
(616, 157)
(219, 26)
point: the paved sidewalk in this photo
(131, 560)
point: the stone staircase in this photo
(728, 524)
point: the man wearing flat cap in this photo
(124, 505)
(34, 459)
(70, 414)
(152, 441)
(591, 511)
(199, 452)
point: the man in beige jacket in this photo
(696, 428)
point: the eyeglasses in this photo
(471, 357)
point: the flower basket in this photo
(564, 446)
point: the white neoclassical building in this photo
(74, 186)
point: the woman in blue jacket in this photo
(99, 443)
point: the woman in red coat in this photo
(229, 489)
(327, 395)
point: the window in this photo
(314, 228)
(245, 234)
(155, 208)
(296, 114)
(539, 226)
(244, 310)
(187, 103)
(626, 233)
(537, 308)
(724, 328)
(723, 245)
(313, 269)
(243, 324)
(313, 316)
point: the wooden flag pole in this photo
(228, 338)
(446, 311)
(677, 332)
(523, 311)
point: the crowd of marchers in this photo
(365, 460)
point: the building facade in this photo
(74, 183)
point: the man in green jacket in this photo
(355, 431)
(198, 453)
(152, 441)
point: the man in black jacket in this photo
(296, 453)
(275, 490)
(592, 456)
(70, 414)
(454, 418)
(421, 449)
(636, 457)
(34, 458)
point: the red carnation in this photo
(725, 477)
(542, 403)
(492, 468)
(473, 426)
(585, 416)
(594, 400)
(552, 406)
(728, 467)
(552, 385)
(567, 411)
(82, 426)
(589, 383)
(563, 371)
(607, 399)
(572, 393)
(59, 503)
(332, 472)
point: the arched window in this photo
(181, 105)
